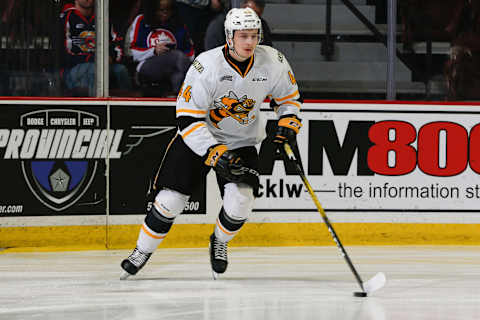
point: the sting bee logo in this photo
(232, 106)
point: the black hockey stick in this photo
(371, 285)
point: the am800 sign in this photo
(385, 158)
(443, 148)
(395, 142)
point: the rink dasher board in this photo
(438, 186)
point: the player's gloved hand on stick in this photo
(225, 162)
(288, 127)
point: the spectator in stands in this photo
(123, 12)
(215, 35)
(197, 14)
(425, 20)
(463, 68)
(78, 21)
(160, 45)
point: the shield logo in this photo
(53, 176)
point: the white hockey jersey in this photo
(227, 103)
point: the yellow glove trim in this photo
(214, 153)
(290, 122)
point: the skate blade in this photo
(215, 275)
(124, 275)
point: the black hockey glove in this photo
(226, 163)
(288, 127)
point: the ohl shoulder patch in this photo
(280, 57)
(197, 65)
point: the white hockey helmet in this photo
(241, 19)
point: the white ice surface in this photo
(295, 283)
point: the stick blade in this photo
(375, 283)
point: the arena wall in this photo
(75, 174)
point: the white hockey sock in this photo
(222, 234)
(148, 240)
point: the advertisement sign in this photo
(52, 159)
(71, 158)
(55, 159)
(382, 158)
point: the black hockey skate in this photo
(135, 261)
(218, 256)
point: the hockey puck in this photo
(360, 294)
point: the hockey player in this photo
(219, 124)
